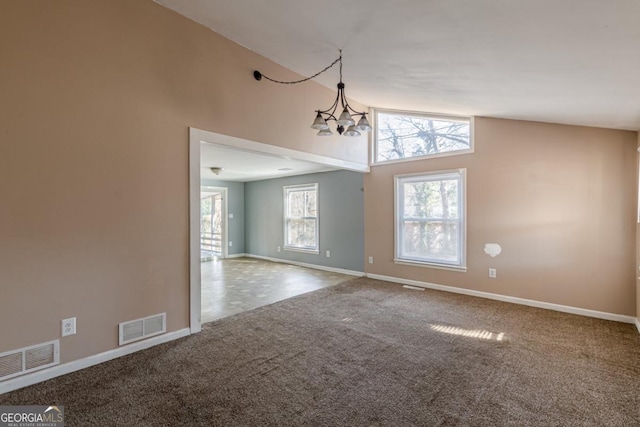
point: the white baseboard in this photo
(638, 324)
(236, 256)
(515, 300)
(304, 264)
(55, 371)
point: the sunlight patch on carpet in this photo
(480, 334)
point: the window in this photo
(430, 219)
(301, 218)
(407, 136)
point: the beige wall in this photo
(637, 270)
(96, 100)
(560, 200)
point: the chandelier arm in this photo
(345, 103)
(258, 75)
(331, 110)
(355, 112)
(343, 99)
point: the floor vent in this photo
(138, 329)
(29, 359)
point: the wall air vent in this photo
(33, 358)
(138, 329)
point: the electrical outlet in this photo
(230, 216)
(328, 254)
(492, 273)
(69, 327)
(230, 243)
(370, 260)
(278, 248)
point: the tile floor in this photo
(206, 255)
(230, 286)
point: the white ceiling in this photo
(563, 61)
(242, 166)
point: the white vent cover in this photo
(29, 359)
(138, 329)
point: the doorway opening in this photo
(232, 154)
(213, 224)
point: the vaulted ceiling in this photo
(563, 61)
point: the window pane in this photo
(301, 217)
(296, 204)
(205, 215)
(432, 241)
(302, 203)
(431, 199)
(310, 203)
(403, 135)
(302, 233)
(430, 222)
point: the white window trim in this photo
(299, 187)
(463, 223)
(374, 136)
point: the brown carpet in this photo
(368, 353)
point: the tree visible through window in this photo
(430, 218)
(211, 223)
(406, 135)
(301, 217)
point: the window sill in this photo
(306, 251)
(429, 156)
(430, 265)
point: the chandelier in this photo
(345, 123)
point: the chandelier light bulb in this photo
(345, 118)
(363, 124)
(351, 131)
(319, 123)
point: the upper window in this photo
(430, 219)
(301, 217)
(400, 135)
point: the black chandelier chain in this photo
(259, 76)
